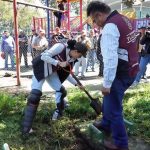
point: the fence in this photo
(27, 38)
(25, 12)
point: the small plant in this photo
(10, 104)
(79, 106)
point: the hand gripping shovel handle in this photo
(88, 94)
(95, 103)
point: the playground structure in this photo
(16, 33)
(73, 23)
(69, 23)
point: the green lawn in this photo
(60, 134)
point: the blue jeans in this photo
(113, 111)
(9, 52)
(143, 63)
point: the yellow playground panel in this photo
(129, 13)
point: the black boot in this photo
(30, 110)
(29, 115)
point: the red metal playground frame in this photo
(15, 12)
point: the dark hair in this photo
(97, 6)
(80, 47)
(71, 44)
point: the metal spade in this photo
(94, 102)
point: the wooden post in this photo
(80, 15)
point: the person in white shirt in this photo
(119, 50)
(82, 61)
(31, 41)
(40, 43)
(91, 55)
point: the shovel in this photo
(94, 102)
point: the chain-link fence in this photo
(32, 24)
(32, 37)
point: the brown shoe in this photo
(110, 146)
(97, 124)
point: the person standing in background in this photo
(23, 47)
(40, 44)
(145, 57)
(31, 40)
(82, 61)
(7, 48)
(92, 52)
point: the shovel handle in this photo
(87, 93)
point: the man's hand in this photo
(80, 86)
(105, 91)
(63, 64)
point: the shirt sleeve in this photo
(54, 50)
(109, 47)
(34, 43)
(2, 45)
(13, 42)
(71, 80)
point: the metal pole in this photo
(80, 15)
(48, 21)
(16, 41)
(68, 15)
(33, 5)
(121, 6)
(34, 23)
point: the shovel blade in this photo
(96, 105)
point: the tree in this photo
(128, 3)
(25, 15)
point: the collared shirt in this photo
(40, 41)
(109, 48)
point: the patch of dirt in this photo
(80, 145)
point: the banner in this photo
(138, 23)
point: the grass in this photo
(60, 134)
(137, 109)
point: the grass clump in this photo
(137, 110)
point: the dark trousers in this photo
(23, 51)
(101, 65)
(59, 20)
(113, 111)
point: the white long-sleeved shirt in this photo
(109, 47)
(49, 61)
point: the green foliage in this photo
(128, 3)
(79, 106)
(137, 110)
(10, 104)
(25, 15)
(56, 135)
